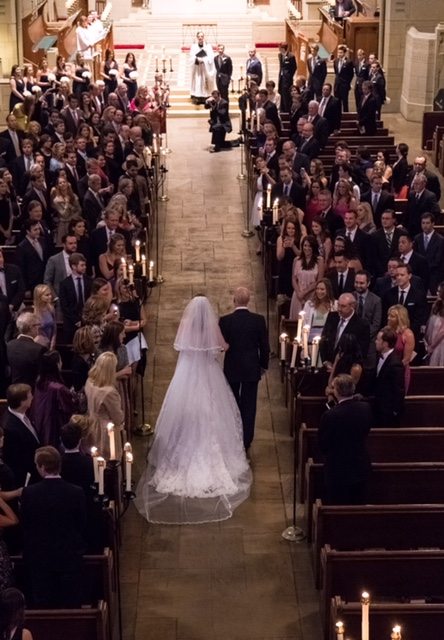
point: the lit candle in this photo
(127, 447)
(131, 273)
(315, 351)
(155, 149)
(365, 606)
(299, 328)
(143, 265)
(151, 271)
(128, 463)
(283, 341)
(241, 69)
(396, 633)
(268, 196)
(276, 211)
(171, 63)
(260, 208)
(94, 454)
(112, 440)
(305, 332)
(294, 353)
(124, 269)
(339, 630)
(101, 466)
(137, 250)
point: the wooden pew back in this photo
(69, 624)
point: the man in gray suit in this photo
(368, 307)
(57, 267)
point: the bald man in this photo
(246, 358)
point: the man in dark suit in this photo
(271, 157)
(289, 187)
(333, 220)
(24, 355)
(361, 73)
(271, 112)
(22, 165)
(73, 292)
(369, 307)
(330, 109)
(31, 256)
(72, 175)
(21, 439)
(420, 201)
(340, 322)
(253, 67)
(101, 236)
(224, 71)
(384, 283)
(416, 261)
(296, 160)
(37, 192)
(344, 72)
(341, 277)
(413, 298)
(317, 72)
(53, 514)
(12, 138)
(220, 123)
(93, 203)
(310, 146)
(246, 358)
(389, 383)
(344, 9)
(379, 200)
(12, 286)
(368, 111)
(360, 240)
(343, 432)
(384, 243)
(430, 245)
(420, 168)
(287, 69)
(321, 129)
(77, 467)
(72, 115)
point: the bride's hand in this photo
(225, 346)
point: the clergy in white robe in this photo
(202, 69)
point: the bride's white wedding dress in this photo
(197, 470)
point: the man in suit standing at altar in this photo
(253, 67)
(344, 73)
(246, 358)
(287, 69)
(202, 69)
(224, 71)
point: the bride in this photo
(197, 470)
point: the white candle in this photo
(127, 447)
(155, 149)
(171, 62)
(268, 196)
(294, 353)
(315, 351)
(151, 271)
(283, 341)
(275, 211)
(124, 269)
(241, 69)
(305, 332)
(143, 265)
(94, 454)
(137, 250)
(299, 328)
(131, 273)
(128, 463)
(365, 606)
(253, 116)
(260, 208)
(101, 466)
(161, 141)
(396, 633)
(339, 631)
(112, 440)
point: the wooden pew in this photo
(426, 380)
(387, 575)
(421, 444)
(356, 527)
(417, 620)
(69, 624)
(389, 483)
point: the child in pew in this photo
(12, 616)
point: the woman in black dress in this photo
(110, 72)
(12, 616)
(17, 86)
(6, 214)
(288, 247)
(130, 75)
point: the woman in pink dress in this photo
(308, 269)
(398, 320)
(343, 198)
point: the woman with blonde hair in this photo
(45, 312)
(94, 315)
(343, 198)
(398, 320)
(365, 217)
(104, 403)
(66, 206)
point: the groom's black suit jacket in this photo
(248, 352)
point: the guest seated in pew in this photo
(434, 335)
(343, 432)
(12, 615)
(389, 382)
(53, 515)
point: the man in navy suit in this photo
(317, 72)
(361, 72)
(253, 67)
(368, 111)
(12, 138)
(420, 201)
(289, 187)
(330, 108)
(246, 358)
(416, 261)
(430, 245)
(224, 71)
(344, 72)
(412, 297)
(379, 200)
(389, 384)
(287, 69)
(73, 292)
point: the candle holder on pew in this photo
(241, 175)
(128, 490)
(239, 85)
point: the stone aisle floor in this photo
(236, 579)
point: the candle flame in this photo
(127, 447)
(129, 456)
(94, 451)
(101, 461)
(143, 257)
(283, 337)
(339, 627)
(110, 427)
(396, 628)
(151, 264)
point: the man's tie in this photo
(389, 237)
(339, 331)
(38, 247)
(341, 283)
(349, 235)
(80, 299)
(401, 297)
(322, 107)
(361, 306)
(426, 241)
(286, 189)
(30, 426)
(15, 142)
(375, 199)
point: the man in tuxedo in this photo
(220, 123)
(430, 245)
(420, 168)
(361, 73)
(330, 108)
(31, 256)
(310, 146)
(12, 287)
(271, 157)
(317, 72)
(389, 383)
(384, 243)
(73, 292)
(12, 138)
(416, 261)
(342, 436)
(342, 278)
(412, 297)
(53, 514)
(57, 267)
(321, 129)
(24, 355)
(224, 71)
(359, 239)
(420, 201)
(253, 67)
(37, 191)
(290, 188)
(333, 220)
(246, 358)
(379, 200)
(340, 322)
(369, 307)
(77, 467)
(287, 69)
(368, 111)
(72, 175)
(344, 72)
(21, 439)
